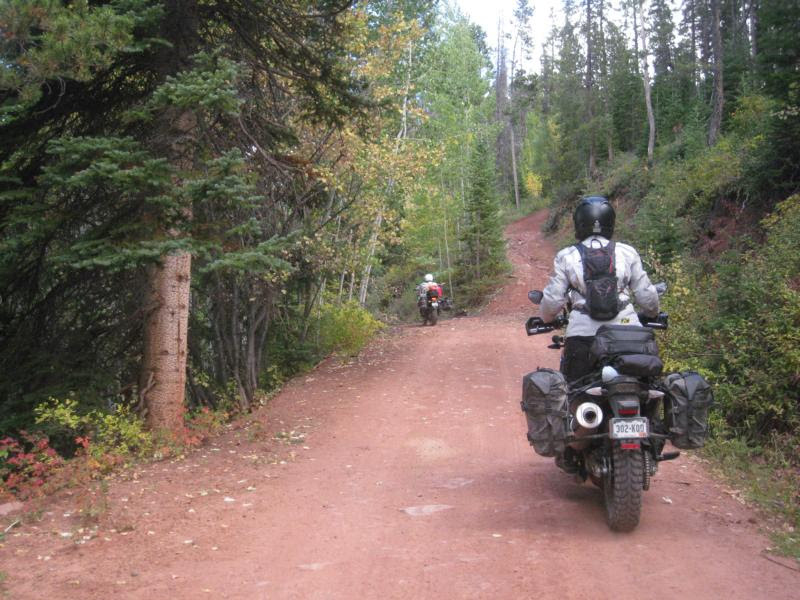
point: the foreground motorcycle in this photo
(611, 426)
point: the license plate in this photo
(435, 304)
(622, 429)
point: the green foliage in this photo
(210, 86)
(48, 40)
(347, 328)
(103, 434)
(759, 331)
(135, 128)
(684, 346)
(626, 177)
(483, 260)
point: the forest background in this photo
(199, 200)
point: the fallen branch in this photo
(10, 527)
(782, 563)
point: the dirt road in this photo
(403, 474)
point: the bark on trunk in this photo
(651, 121)
(163, 373)
(590, 89)
(514, 166)
(162, 377)
(754, 7)
(373, 244)
(604, 75)
(718, 95)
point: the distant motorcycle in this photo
(611, 427)
(430, 307)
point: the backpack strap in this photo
(611, 247)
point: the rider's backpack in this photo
(600, 277)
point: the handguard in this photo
(660, 322)
(535, 325)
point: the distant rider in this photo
(594, 227)
(427, 284)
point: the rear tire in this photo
(622, 489)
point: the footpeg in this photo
(668, 456)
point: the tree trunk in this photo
(651, 121)
(514, 166)
(604, 74)
(718, 94)
(446, 244)
(373, 244)
(693, 37)
(636, 33)
(352, 285)
(163, 373)
(162, 378)
(590, 89)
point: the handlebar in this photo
(535, 325)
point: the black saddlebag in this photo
(612, 341)
(546, 407)
(687, 399)
(638, 365)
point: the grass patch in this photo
(766, 480)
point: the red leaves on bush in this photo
(26, 463)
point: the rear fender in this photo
(624, 406)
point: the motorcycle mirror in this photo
(535, 296)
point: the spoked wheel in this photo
(432, 316)
(622, 489)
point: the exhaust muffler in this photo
(589, 415)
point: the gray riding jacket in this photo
(566, 283)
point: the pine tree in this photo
(483, 258)
(127, 129)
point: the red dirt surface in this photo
(404, 473)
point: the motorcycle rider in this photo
(594, 226)
(427, 284)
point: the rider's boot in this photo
(567, 461)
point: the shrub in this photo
(106, 436)
(347, 328)
(740, 326)
(627, 177)
(759, 331)
(684, 346)
(26, 463)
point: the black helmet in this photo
(594, 215)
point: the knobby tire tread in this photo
(624, 498)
